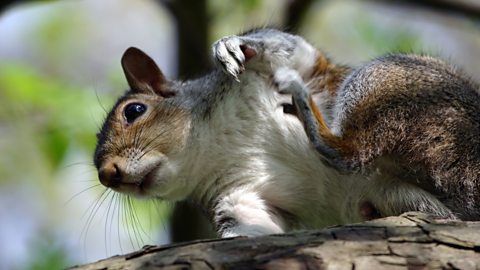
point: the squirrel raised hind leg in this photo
(317, 130)
(402, 120)
(389, 195)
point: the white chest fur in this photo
(256, 159)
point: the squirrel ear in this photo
(143, 75)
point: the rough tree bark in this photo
(411, 241)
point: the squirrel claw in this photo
(230, 54)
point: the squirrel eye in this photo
(133, 111)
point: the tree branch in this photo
(412, 240)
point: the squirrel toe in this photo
(285, 79)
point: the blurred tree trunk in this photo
(296, 11)
(6, 4)
(193, 35)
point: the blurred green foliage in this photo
(380, 39)
(42, 119)
(56, 117)
(57, 113)
(51, 254)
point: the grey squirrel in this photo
(400, 133)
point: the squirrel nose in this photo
(110, 175)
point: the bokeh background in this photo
(60, 72)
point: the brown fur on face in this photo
(161, 129)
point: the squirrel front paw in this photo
(289, 81)
(230, 54)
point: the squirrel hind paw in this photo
(288, 81)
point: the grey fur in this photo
(223, 142)
(416, 110)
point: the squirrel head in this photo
(144, 134)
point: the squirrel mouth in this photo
(147, 181)
(141, 186)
